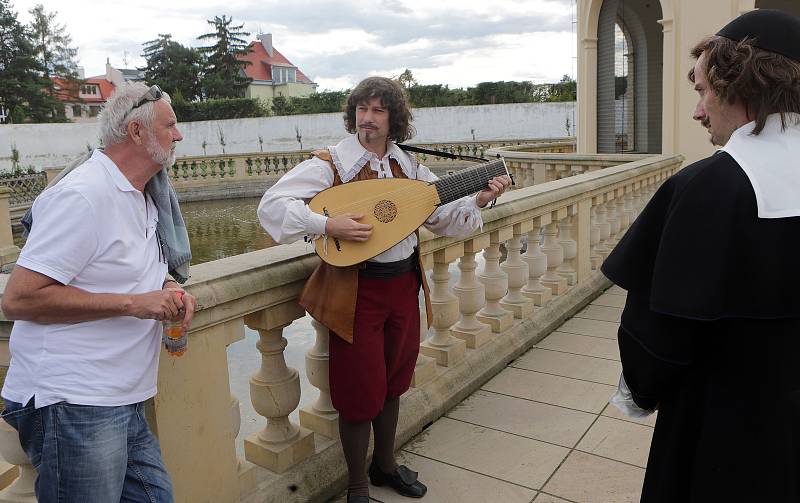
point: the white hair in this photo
(118, 112)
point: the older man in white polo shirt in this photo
(88, 293)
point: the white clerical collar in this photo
(771, 160)
(349, 157)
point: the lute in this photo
(395, 207)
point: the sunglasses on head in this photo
(153, 94)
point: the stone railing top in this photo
(516, 143)
(512, 153)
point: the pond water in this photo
(219, 229)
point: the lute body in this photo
(395, 207)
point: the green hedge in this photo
(230, 108)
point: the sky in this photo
(337, 43)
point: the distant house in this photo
(85, 105)
(273, 75)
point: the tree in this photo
(224, 72)
(565, 90)
(173, 67)
(22, 81)
(54, 51)
(53, 45)
(406, 79)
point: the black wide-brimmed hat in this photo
(772, 30)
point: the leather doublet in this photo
(330, 292)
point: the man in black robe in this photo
(710, 334)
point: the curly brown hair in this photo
(392, 96)
(764, 81)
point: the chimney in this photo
(266, 41)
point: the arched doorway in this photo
(790, 6)
(629, 76)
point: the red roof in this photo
(63, 93)
(261, 68)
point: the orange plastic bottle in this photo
(175, 338)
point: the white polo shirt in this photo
(94, 231)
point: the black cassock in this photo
(711, 334)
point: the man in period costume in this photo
(371, 309)
(710, 334)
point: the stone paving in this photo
(541, 431)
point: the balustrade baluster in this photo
(275, 393)
(613, 220)
(495, 283)
(446, 349)
(555, 254)
(537, 264)
(470, 293)
(566, 240)
(595, 257)
(517, 272)
(624, 218)
(321, 417)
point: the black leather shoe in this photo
(357, 498)
(403, 480)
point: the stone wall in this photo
(434, 125)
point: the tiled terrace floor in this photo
(541, 431)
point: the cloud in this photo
(342, 41)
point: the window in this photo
(283, 75)
(93, 111)
(89, 89)
(76, 110)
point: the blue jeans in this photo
(91, 454)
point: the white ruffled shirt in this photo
(771, 160)
(284, 212)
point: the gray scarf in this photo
(170, 230)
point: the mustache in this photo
(368, 125)
(705, 123)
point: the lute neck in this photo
(468, 181)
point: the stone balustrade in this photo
(571, 214)
(265, 165)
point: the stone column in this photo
(594, 240)
(555, 254)
(496, 283)
(537, 264)
(321, 417)
(624, 218)
(21, 490)
(446, 349)
(613, 221)
(517, 272)
(567, 269)
(638, 202)
(603, 249)
(275, 393)
(540, 173)
(8, 250)
(529, 172)
(470, 293)
(628, 207)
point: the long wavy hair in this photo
(392, 96)
(764, 81)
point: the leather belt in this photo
(386, 270)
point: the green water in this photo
(219, 229)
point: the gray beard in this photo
(162, 157)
